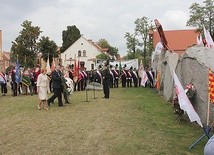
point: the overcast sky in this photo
(96, 19)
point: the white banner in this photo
(129, 63)
(144, 79)
(184, 101)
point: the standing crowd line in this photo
(63, 81)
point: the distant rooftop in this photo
(178, 40)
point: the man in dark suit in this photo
(106, 81)
(57, 86)
(116, 76)
(134, 76)
(123, 76)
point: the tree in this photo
(140, 43)
(202, 16)
(48, 48)
(131, 42)
(25, 46)
(69, 36)
(111, 50)
(142, 28)
(102, 56)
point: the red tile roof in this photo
(178, 40)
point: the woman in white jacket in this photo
(42, 89)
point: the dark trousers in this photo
(123, 82)
(106, 90)
(111, 83)
(116, 83)
(139, 82)
(80, 85)
(65, 95)
(57, 94)
(14, 88)
(129, 82)
(135, 82)
(4, 88)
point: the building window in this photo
(92, 66)
(79, 53)
(84, 53)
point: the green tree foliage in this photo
(139, 44)
(142, 28)
(69, 36)
(102, 56)
(47, 47)
(25, 46)
(131, 42)
(111, 50)
(202, 16)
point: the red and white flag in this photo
(184, 101)
(144, 79)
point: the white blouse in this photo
(42, 80)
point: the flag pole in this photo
(206, 129)
(208, 109)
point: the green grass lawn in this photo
(133, 121)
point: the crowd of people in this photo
(38, 81)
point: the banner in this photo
(48, 68)
(129, 63)
(184, 101)
(144, 79)
(18, 73)
(53, 65)
(26, 80)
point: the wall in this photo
(81, 44)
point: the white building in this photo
(83, 50)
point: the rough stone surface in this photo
(191, 67)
